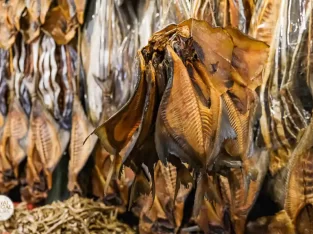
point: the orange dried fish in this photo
(166, 213)
(15, 131)
(280, 223)
(79, 152)
(7, 30)
(15, 10)
(46, 139)
(240, 207)
(206, 94)
(80, 9)
(59, 26)
(299, 189)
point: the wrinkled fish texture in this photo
(202, 99)
(245, 126)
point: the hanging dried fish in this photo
(239, 207)
(14, 138)
(63, 19)
(299, 192)
(4, 58)
(205, 76)
(33, 17)
(166, 213)
(7, 30)
(81, 127)
(280, 223)
(108, 77)
(46, 139)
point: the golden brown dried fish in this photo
(46, 139)
(15, 130)
(201, 65)
(240, 207)
(117, 131)
(299, 190)
(79, 152)
(15, 10)
(213, 218)
(60, 25)
(118, 192)
(280, 223)
(7, 30)
(166, 213)
(264, 20)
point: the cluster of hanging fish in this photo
(193, 106)
(37, 76)
(44, 103)
(205, 106)
(286, 101)
(252, 136)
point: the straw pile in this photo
(75, 215)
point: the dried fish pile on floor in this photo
(75, 215)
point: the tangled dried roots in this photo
(75, 215)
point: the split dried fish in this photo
(117, 193)
(209, 77)
(46, 139)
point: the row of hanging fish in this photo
(44, 103)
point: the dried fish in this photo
(63, 29)
(299, 193)
(46, 139)
(280, 223)
(206, 81)
(81, 127)
(7, 30)
(108, 76)
(166, 213)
